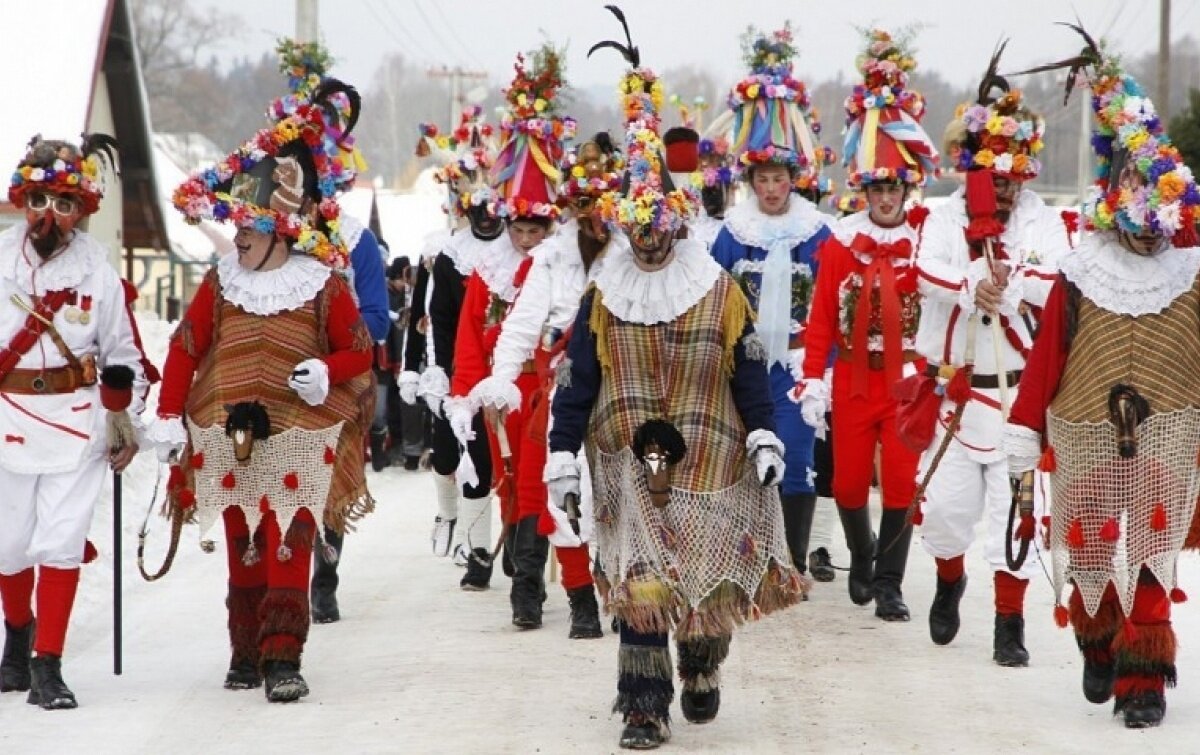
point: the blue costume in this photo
(743, 248)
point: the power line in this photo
(470, 53)
(410, 40)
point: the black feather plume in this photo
(321, 97)
(662, 433)
(627, 50)
(104, 146)
(992, 78)
(604, 142)
(117, 376)
(1088, 56)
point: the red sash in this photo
(46, 306)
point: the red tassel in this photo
(1027, 529)
(90, 553)
(1046, 522)
(1075, 534)
(330, 456)
(1061, 616)
(187, 498)
(264, 505)
(1110, 532)
(1178, 595)
(958, 389)
(1131, 632)
(916, 215)
(291, 480)
(918, 516)
(175, 478)
(1158, 518)
(1048, 462)
(545, 523)
(228, 481)
(197, 460)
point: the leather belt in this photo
(796, 341)
(528, 367)
(34, 382)
(875, 358)
(982, 381)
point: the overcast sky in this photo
(956, 39)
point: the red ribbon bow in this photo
(880, 268)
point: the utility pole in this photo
(457, 76)
(1083, 176)
(1164, 62)
(307, 20)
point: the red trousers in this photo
(860, 424)
(528, 446)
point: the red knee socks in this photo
(950, 570)
(55, 598)
(576, 566)
(16, 593)
(1010, 593)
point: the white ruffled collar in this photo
(268, 292)
(68, 269)
(860, 222)
(1126, 283)
(465, 250)
(498, 267)
(751, 227)
(647, 298)
(351, 229)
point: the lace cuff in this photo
(1023, 446)
(496, 392)
(762, 437)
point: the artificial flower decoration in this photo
(57, 167)
(466, 155)
(532, 132)
(884, 139)
(591, 170)
(1000, 134)
(716, 165)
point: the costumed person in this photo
(1110, 400)
(533, 337)
(526, 177)
(768, 244)
(64, 322)
(406, 422)
(305, 64)
(713, 179)
(866, 307)
(267, 392)
(985, 265)
(666, 386)
(467, 156)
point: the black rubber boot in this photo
(283, 682)
(47, 687)
(379, 455)
(856, 524)
(1008, 641)
(894, 538)
(15, 675)
(943, 614)
(479, 571)
(325, 579)
(797, 525)
(243, 676)
(585, 613)
(1144, 710)
(528, 583)
(699, 670)
(1099, 669)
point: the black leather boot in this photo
(1144, 709)
(797, 525)
(1099, 669)
(15, 675)
(47, 687)
(479, 571)
(528, 583)
(585, 613)
(856, 524)
(283, 682)
(379, 456)
(1008, 641)
(894, 538)
(323, 594)
(943, 614)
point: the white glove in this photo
(168, 436)
(813, 396)
(562, 478)
(434, 386)
(460, 416)
(1024, 448)
(310, 379)
(766, 451)
(498, 393)
(408, 386)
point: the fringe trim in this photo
(1098, 629)
(598, 324)
(284, 618)
(340, 517)
(644, 661)
(700, 661)
(734, 318)
(244, 624)
(1150, 652)
(655, 705)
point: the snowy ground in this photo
(418, 666)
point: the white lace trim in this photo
(860, 222)
(635, 295)
(562, 248)
(433, 244)
(352, 230)
(1129, 284)
(751, 227)
(68, 269)
(498, 268)
(465, 251)
(269, 292)
(496, 392)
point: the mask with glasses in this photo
(39, 202)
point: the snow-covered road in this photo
(418, 666)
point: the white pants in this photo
(962, 492)
(44, 518)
